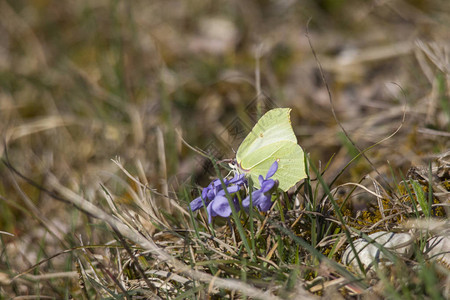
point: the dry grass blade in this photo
(38, 125)
(163, 171)
(360, 186)
(352, 59)
(429, 131)
(6, 233)
(438, 53)
(435, 226)
(52, 228)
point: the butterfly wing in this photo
(272, 138)
(273, 127)
(290, 158)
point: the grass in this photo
(83, 83)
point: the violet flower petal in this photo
(267, 185)
(233, 189)
(211, 212)
(205, 193)
(210, 194)
(261, 180)
(238, 179)
(265, 203)
(196, 203)
(221, 207)
(255, 199)
(272, 170)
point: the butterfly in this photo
(272, 139)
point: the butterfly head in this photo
(236, 167)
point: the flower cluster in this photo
(214, 196)
(262, 198)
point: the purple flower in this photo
(214, 197)
(208, 194)
(220, 205)
(262, 198)
(238, 179)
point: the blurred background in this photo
(83, 82)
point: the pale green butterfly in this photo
(272, 139)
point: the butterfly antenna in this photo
(226, 160)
